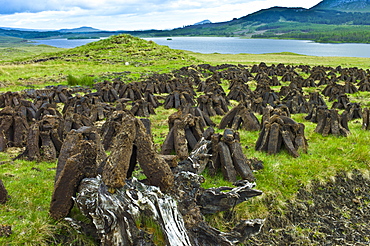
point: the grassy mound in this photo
(116, 54)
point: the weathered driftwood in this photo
(13, 129)
(330, 122)
(280, 132)
(366, 119)
(120, 218)
(219, 199)
(3, 193)
(240, 117)
(120, 214)
(192, 200)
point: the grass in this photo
(30, 184)
(82, 81)
(284, 57)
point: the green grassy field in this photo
(30, 184)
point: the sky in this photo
(129, 14)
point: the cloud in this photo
(129, 14)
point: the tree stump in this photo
(120, 218)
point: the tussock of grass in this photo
(83, 81)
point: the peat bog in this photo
(184, 130)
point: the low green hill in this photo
(122, 54)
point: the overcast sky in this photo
(129, 14)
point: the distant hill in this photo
(24, 29)
(328, 21)
(344, 5)
(80, 29)
(203, 22)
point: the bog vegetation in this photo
(130, 59)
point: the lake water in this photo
(64, 43)
(234, 45)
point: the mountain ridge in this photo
(325, 22)
(344, 5)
